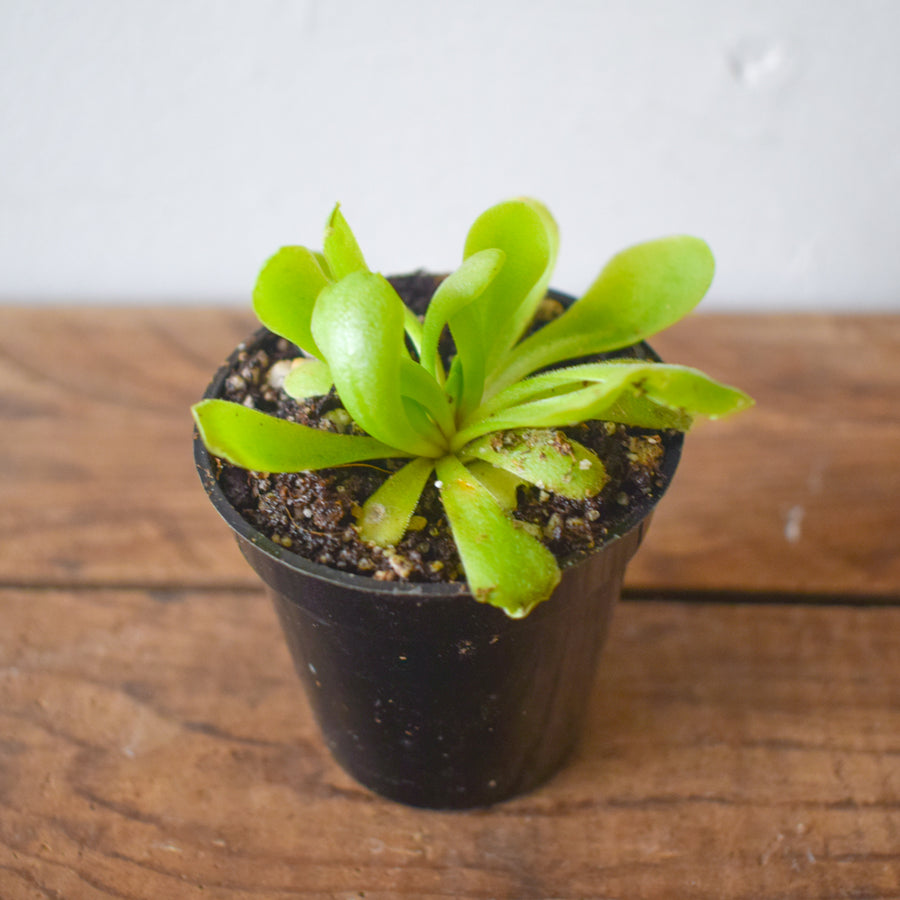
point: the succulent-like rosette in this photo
(490, 419)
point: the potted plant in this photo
(447, 680)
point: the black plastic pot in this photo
(424, 695)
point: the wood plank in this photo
(96, 446)
(800, 495)
(156, 744)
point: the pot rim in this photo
(637, 513)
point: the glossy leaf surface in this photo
(503, 485)
(525, 231)
(417, 384)
(285, 294)
(263, 443)
(340, 247)
(505, 566)
(452, 296)
(358, 323)
(308, 378)
(490, 424)
(385, 515)
(578, 393)
(640, 292)
(543, 457)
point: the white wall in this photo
(161, 149)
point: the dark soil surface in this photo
(312, 513)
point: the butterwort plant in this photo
(488, 419)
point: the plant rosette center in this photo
(489, 420)
(314, 514)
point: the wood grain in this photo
(800, 495)
(154, 741)
(99, 484)
(156, 744)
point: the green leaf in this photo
(614, 373)
(312, 378)
(467, 371)
(578, 393)
(453, 385)
(413, 329)
(286, 292)
(455, 293)
(323, 264)
(422, 422)
(358, 323)
(385, 515)
(340, 247)
(503, 485)
(543, 457)
(525, 231)
(419, 385)
(308, 378)
(636, 409)
(556, 383)
(254, 440)
(505, 566)
(641, 291)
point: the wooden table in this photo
(744, 733)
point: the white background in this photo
(160, 151)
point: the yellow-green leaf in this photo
(504, 565)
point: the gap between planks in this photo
(629, 595)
